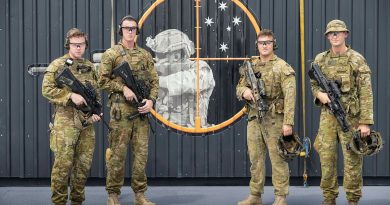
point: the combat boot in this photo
(140, 199)
(353, 203)
(329, 202)
(113, 199)
(251, 200)
(280, 200)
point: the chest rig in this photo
(136, 59)
(271, 77)
(339, 69)
(83, 72)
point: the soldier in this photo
(122, 103)
(176, 100)
(72, 142)
(349, 68)
(279, 83)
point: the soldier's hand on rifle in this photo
(96, 118)
(323, 97)
(147, 107)
(77, 99)
(364, 130)
(129, 94)
(248, 95)
(287, 130)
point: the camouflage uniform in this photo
(352, 71)
(279, 80)
(73, 145)
(124, 131)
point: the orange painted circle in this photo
(224, 124)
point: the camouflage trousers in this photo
(260, 137)
(123, 132)
(326, 143)
(73, 148)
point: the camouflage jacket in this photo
(280, 86)
(352, 71)
(141, 63)
(82, 69)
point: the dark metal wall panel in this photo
(33, 32)
(41, 54)
(370, 52)
(99, 25)
(4, 90)
(30, 151)
(383, 95)
(16, 91)
(241, 159)
(313, 26)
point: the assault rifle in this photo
(258, 90)
(139, 87)
(332, 89)
(93, 106)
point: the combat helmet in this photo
(171, 40)
(366, 146)
(289, 146)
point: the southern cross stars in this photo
(236, 21)
(209, 21)
(222, 6)
(223, 47)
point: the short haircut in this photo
(75, 32)
(266, 32)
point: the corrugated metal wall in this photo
(33, 32)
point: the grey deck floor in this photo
(192, 195)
